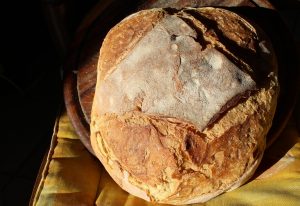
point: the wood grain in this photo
(82, 64)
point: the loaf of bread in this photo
(183, 102)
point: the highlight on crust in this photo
(183, 102)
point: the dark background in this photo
(34, 39)
(34, 36)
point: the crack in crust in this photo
(216, 80)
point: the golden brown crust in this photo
(122, 38)
(170, 160)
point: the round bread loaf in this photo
(183, 102)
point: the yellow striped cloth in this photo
(72, 176)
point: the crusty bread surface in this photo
(183, 102)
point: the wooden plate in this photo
(81, 65)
